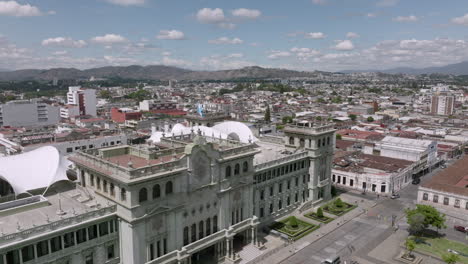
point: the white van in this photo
(334, 260)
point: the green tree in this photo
(320, 212)
(370, 119)
(416, 223)
(333, 191)
(410, 245)
(105, 94)
(353, 117)
(338, 136)
(267, 114)
(339, 203)
(287, 119)
(318, 118)
(432, 217)
(450, 258)
(293, 222)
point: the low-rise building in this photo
(28, 113)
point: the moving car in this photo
(461, 228)
(334, 260)
(395, 196)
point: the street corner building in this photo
(193, 196)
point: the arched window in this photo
(319, 142)
(245, 166)
(237, 169)
(201, 227)
(156, 191)
(186, 236)
(208, 226)
(291, 140)
(215, 224)
(194, 233)
(143, 195)
(112, 189)
(302, 142)
(169, 189)
(228, 171)
(123, 194)
(323, 142)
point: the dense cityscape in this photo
(241, 164)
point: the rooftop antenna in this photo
(60, 211)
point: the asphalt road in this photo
(362, 234)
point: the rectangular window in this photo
(151, 251)
(351, 182)
(104, 185)
(103, 229)
(92, 232)
(425, 196)
(446, 200)
(55, 244)
(69, 240)
(280, 187)
(158, 249)
(289, 184)
(457, 203)
(271, 208)
(110, 252)
(27, 253)
(261, 212)
(69, 150)
(13, 257)
(42, 248)
(81, 236)
(262, 194)
(297, 181)
(164, 246)
(271, 190)
(435, 198)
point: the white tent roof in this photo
(32, 170)
(224, 130)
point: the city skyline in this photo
(329, 35)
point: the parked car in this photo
(416, 181)
(395, 196)
(461, 228)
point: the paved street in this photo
(363, 234)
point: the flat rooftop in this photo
(357, 161)
(453, 179)
(271, 151)
(61, 197)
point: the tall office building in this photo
(442, 104)
(80, 102)
(28, 113)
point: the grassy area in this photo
(439, 246)
(324, 219)
(294, 232)
(338, 209)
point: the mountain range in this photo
(162, 72)
(452, 69)
(152, 72)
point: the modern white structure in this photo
(80, 102)
(189, 198)
(423, 152)
(28, 113)
(442, 104)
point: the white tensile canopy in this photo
(226, 130)
(33, 170)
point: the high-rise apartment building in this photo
(80, 102)
(442, 104)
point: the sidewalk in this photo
(283, 253)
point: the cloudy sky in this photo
(327, 35)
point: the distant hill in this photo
(453, 69)
(152, 72)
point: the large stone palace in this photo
(189, 198)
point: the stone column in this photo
(228, 248)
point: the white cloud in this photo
(384, 3)
(463, 20)
(226, 40)
(166, 53)
(352, 35)
(344, 45)
(411, 18)
(218, 62)
(319, 2)
(64, 42)
(211, 16)
(60, 53)
(13, 8)
(176, 62)
(315, 35)
(304, 54)
(109, 39)
(126, 2)
(371, 15)
(171, 34)
(227, 25)
(246, 13)
(276, 54)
